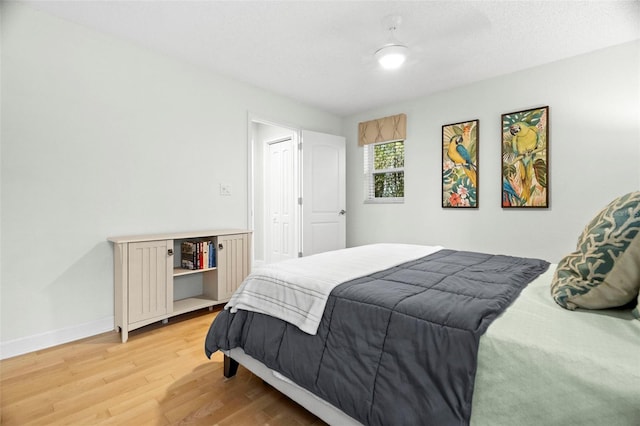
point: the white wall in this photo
(102, 138)
(594, 152)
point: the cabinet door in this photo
(150, 280)
(233, 263)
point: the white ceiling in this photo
(321, 52)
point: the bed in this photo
(493, 349)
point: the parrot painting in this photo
(525, 136)
(459, 155)
(524, 142)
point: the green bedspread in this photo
(539, 364)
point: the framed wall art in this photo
(460, 144)
(525, 158)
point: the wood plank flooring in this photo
(161, 376)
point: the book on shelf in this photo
(212, 255)
(197, 255)
(187, 255)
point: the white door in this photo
(280, 201)
(323, 192)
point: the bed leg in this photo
(230, 367)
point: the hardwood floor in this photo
(161, 376)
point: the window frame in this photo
(370, 172)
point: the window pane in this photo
(388, 155)
(388, 184)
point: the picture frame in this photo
(460, 164)
(525, 158)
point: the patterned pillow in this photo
(604, 271)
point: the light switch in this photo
(225, 189)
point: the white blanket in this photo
(297, 290)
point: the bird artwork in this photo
(524, 158)
(524, 143)
(459, 155)
(460, 164)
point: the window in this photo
(384, 172)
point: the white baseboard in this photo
(51, 338)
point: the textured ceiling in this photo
(321, 52)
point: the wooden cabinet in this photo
(233, 265)
(150, 289)
(147, 273)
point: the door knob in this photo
(342, 212)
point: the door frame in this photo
(251, 184)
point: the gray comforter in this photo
(398, 347)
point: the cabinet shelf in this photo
(177, 272)
(194, 303)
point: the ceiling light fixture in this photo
(393, 54)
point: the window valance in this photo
(384, 129)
